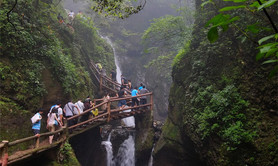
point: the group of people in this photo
(57, 114)
(136, 101)
(125, 85)
(71, 16)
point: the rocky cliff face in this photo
(222, 105)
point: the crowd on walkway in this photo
(126, 86)
(71, 15)
(57, 114)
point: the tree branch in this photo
(8, 14)
(269, 18)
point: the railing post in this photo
(109, 111)
(100, 83)
(66, 128)
(4, 153)
(151, 101)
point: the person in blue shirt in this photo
(135, 100)
(140, 87)
(37, 125)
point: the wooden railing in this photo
(66, 131)
(106, 82)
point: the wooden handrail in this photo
(34, 137)
(130, 97)
(102, 117)
(87, 121)
(128, 108)
(88, 110)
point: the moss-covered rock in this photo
(220, 102)
(144, 137)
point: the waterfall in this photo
(109, 151)
(129, 121)
(125, 155)
(118, 70)
(151, 158)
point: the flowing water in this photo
(129, 121)
(151, 158)
(109, 151)
(126, 152)
(125, 155)
(118, 70)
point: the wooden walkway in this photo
(41, 143)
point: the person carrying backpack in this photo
(124, 81)
(87, 105)
(52, 117)
(68, 110)
(36, 121)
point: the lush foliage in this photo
(163, 39)
(262, 32)
(66, 156)
(118, 8)
(43, 60)
(222, 112)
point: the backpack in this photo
(55, 110)
(35, 118)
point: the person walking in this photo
(36, 121)
(135, 100)
(105, 99)
(113, 75)
(87, 105)
(143, 99)
(129, 85)
(124, 82)
(71, 17)
(51, 122)
(81, 107)
(68, 110)
(121, 94)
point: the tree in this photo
(118, 8)
(263, 32)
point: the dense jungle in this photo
(211, 65)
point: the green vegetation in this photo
(118, 8)
(163, 39)
(219, 96)
(43, 60)
(66, 156)
(221, 112)
(261, 30)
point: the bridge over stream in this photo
(11, 154)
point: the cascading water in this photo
(109, 151)
(125, 155)
(118, 70)
(129, 121)
(151, 158)
(126, 152)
